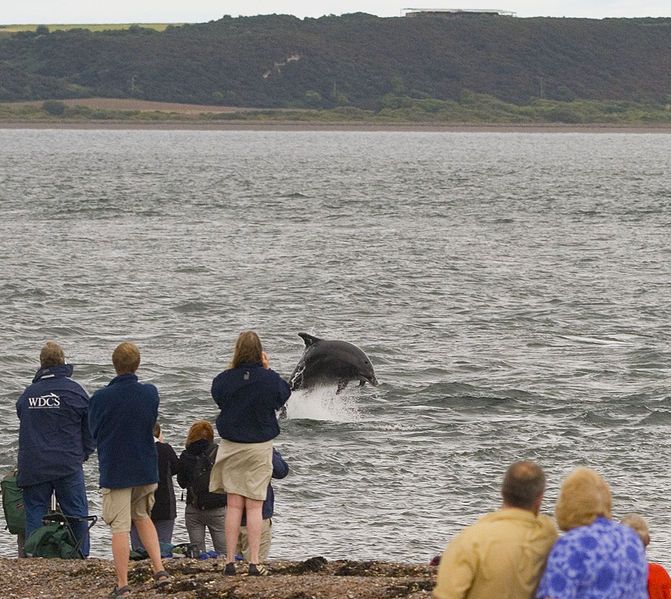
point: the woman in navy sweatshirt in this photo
(248, 394)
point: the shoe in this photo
(258, 570)
(161, 579)
(230, 569)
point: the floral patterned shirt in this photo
(604, 560)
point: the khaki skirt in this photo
(243, 469)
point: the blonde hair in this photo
(51, 355)
(126, 358)
(248, 349)
(200, 429)
(639, 525)
(584, 496)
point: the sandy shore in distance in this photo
(344, 126)
(191, 121)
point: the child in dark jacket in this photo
(204, 510)
(164, 512)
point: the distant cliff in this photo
(355, 60)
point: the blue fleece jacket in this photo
(248, 397)
(54, 437)
(122, 417)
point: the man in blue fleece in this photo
(122, 417)
(54, 441)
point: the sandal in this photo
(120, 591)
(230, 569)
(258, 570)
(161, 579)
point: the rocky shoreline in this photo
(314, 578)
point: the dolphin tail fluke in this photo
(309, 339)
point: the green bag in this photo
(51, 540)
(141, 553)
(12, 504)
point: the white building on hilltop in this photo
(454, 12)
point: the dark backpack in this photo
(51, 540)
(12, 504)
(200, 487)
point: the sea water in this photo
(511, 290)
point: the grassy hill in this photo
(90, 27)
(353, 62)
(8, 30)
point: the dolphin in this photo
(325, 362)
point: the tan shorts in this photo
(122, 506)
(266, 537)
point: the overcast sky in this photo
(194, 11)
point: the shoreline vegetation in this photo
(314, 578)
(429, 72)
(472, 113)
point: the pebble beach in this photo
(314, 578)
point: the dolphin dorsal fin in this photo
(309, 339)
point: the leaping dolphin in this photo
(324, 362)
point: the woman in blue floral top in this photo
(596, 558)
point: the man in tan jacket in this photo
(502, 555)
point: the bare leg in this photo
(121, 553)
(253, 508)
(235, 504)
(147, 531)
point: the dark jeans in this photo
(71, 496)
(164, 530)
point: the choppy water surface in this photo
(512, 291)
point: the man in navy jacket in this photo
(54, 441)
(122, 418)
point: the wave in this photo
(294, 194)
(596, 340)
(441, 391)
(191, 307)
(322, 403)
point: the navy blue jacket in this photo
(248, 397)
(54, 437)
(122, 417)
(280, 470)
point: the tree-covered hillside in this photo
(358, 60)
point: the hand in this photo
(265, 362)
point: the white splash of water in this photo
(322, 403)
